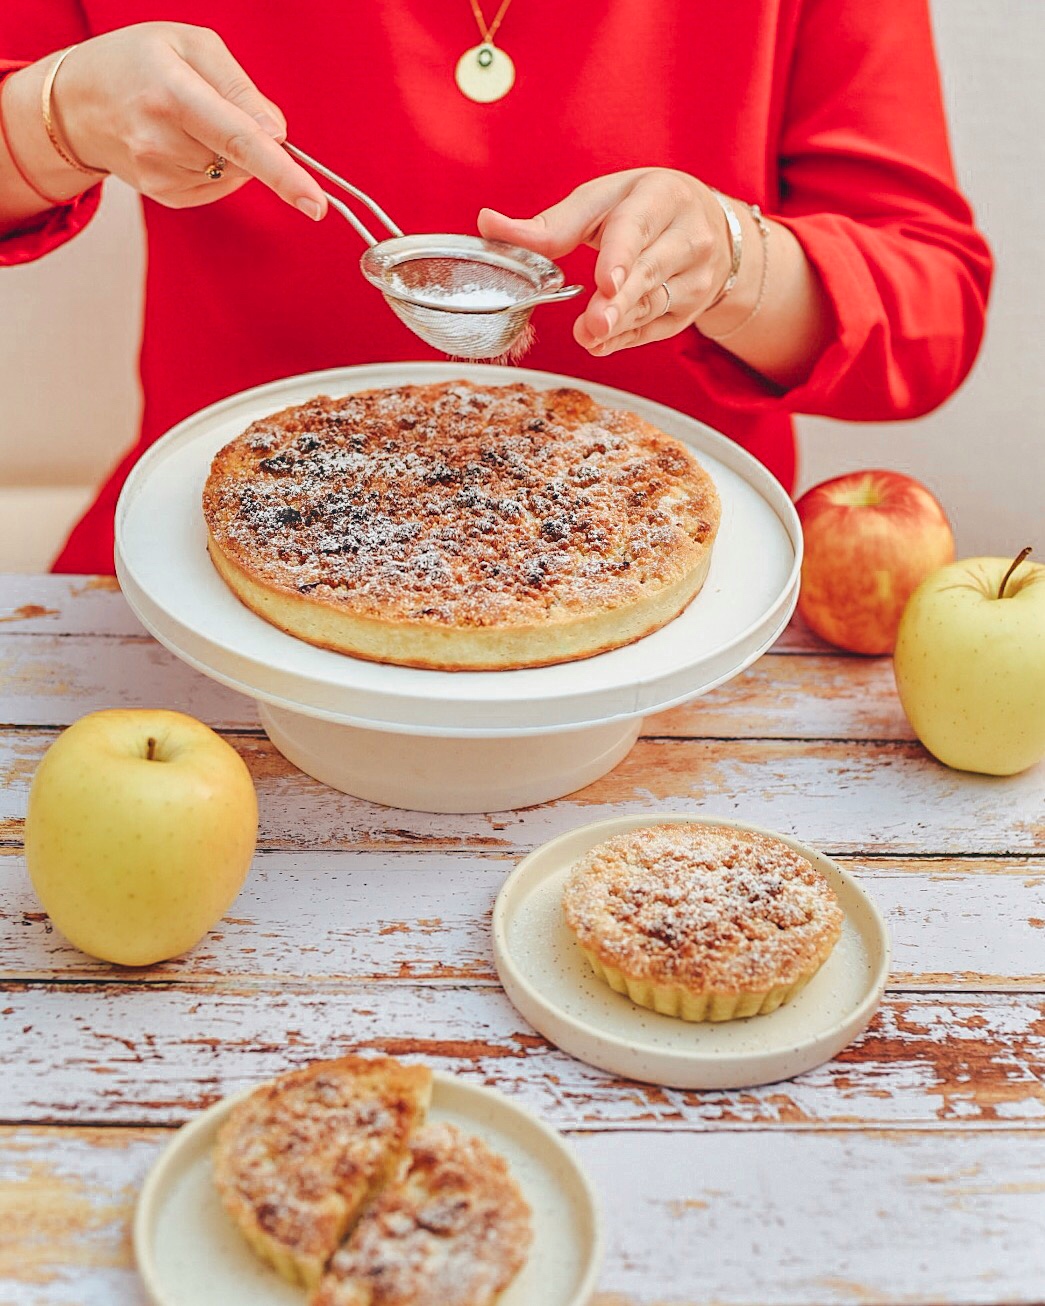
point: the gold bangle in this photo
(763, 231)
(48, 199)
(45, 103)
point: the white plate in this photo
(169, 581)
(190, 1254)
(547, 978)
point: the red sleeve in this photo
(28, 32)
(867, 187)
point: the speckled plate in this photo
(547, 978)
(190, 1254)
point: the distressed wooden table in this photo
(909, 1170)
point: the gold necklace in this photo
(485, 72)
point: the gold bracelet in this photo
(47, 199)
(763, 231)
(736, 246)
(45, 103)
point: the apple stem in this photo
(1016, 562)
(150, 750)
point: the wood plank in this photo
(110, 1054)
(984, 920)
(93, 605)
(52, 680)
(66, 1204)
(425, 917)
(782, 1220)
(47, 680)
(852, 798)
(757, 1219)
(814, 697)
(64, 605)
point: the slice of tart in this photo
(703, 922)
(453, 1230)
(297, 1161)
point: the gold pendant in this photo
(484, 73)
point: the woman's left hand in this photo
(664, 252)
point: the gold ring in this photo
(215, 170)
(667, 300)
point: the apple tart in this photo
(297, 1160)
(702, 922)
(458, 526)
(340, 1151)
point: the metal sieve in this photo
(468, 297)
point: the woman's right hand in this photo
(153, 104)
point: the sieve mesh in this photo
(442, 276)
(464, 296)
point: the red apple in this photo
(871, 538)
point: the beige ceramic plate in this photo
(189, 1253)
(545, 975)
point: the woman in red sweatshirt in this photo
(759, 195)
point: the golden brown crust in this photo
(708, 909)
(452, 1231)
(454, 525)
(297, 1160)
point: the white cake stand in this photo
(438, 741)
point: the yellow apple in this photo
(970, 664)
(870, 539)
(140, 832)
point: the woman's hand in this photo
(155, 103)
(653, 227)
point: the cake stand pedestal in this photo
(430, 773)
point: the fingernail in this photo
(612, 318)
(618, 277)
(268, 124)
(311, 208)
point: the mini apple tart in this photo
(299, 1159)
(703, 922)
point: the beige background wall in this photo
(983, 452)
(69, 324)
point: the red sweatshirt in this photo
(827, 113)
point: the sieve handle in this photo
(548, 297)
(341, 207)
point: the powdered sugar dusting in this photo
(711, 907)
(461, 504)
(452, 1232)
